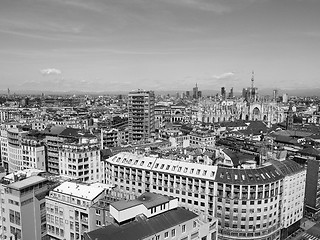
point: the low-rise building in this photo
(154, 216)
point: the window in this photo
(98, 211)
(183, 228)
(98, 223)
(194, 224)
(173, 233)
(166, 234)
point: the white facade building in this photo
(245, 201)
(70, 210)
(19, 150)
(292, 206)
(154, 216)
(81, 160)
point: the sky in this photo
(121, 45)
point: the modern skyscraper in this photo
(231, 93)
(195, 92)
(275, 94)
(223, 93)
(141, 115)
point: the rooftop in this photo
(260, 175)
(238, 158)
(148, 199)
(80, 190)
(27, 182)
(164, 165)
(287, 167)
(143, 228)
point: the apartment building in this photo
(197, 137)
(292, 205)
(20, 149)
(4, 147)
(111, 138)
(192, 183)
(23, 214)
(246, 201)
(141, 116)
(154, 217)
(71, 209)
(6, 114)
(202, 138)
(81, 160)
(313, 185)
(60, 142)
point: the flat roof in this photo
(148, 199)
(80, 190)
(27, 182)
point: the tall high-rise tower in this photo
(223, 93)
(195, 91)
(141, 115)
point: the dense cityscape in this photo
(159, 120)
(148, 166)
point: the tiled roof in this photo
(287, 167)
(142, 228)
(310, 151)
(262, 175)
(164, 165)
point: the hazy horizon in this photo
(120, 45)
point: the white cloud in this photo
(50, 71)
(223, 76)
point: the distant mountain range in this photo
(262, 92)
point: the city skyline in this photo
(76, 45)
